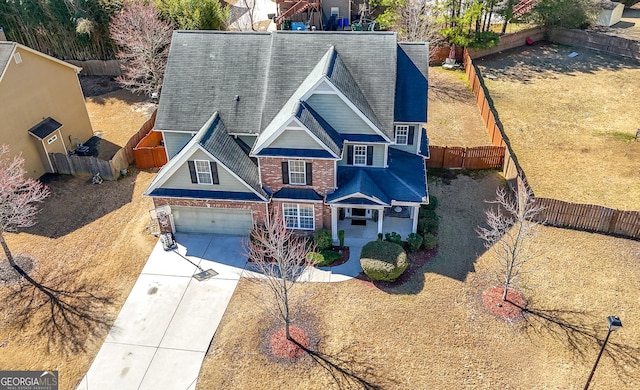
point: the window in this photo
(359, 155)
(297, 172)
(298, 216)
(203, 172)
(402, 134)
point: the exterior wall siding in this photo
(323, 174)
(249, 140)
(181, 179)
(416, 141)
(258, 210)
(340, 116)
(295, 139)
(33, 90)
(378, 156)
(173, 142)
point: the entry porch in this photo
(367, 222)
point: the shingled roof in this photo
(6, 49)
(249, 77)
(412, 84)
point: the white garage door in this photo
(211, 220)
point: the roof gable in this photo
(221, 147)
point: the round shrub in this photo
(323, 258)
(430, 241)
(323, 240)
(383, 260)
(415, 242)
(315, 258)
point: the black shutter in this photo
(192, 171)
(309, 172)
(412, 130)
(369, 155)
(285, 172)
(214, 172)
(349, 154)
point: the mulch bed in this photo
(416, 261)
(282, 348)
(509, 309)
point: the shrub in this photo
(428, 225)
(315, 258)
(383, 261)
(427, 213)
(322, 239)
(415, 241)
(393, 237)
(379, 236)
(341, 238)
(429, 241)
(433, 203)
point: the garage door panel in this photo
(212, 220)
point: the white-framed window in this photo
(359, 154)
(297, 172)
(52, 139)
(298, 216)
(203, 172)
(402, 134)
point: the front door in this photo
(359, 213)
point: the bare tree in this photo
(143, 40)
(511, 233)
(19, 197)
(281, 257)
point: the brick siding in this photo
(322, 175)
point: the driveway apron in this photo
(164, 329)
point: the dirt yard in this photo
(115, 113)
(571, 121)
(454, 118)
(433, 332)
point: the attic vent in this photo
(17, 58)
(237, 98)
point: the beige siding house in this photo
(43, 109)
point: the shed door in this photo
(212, 220)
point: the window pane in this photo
(297, 172)
(402, 134)
(290, 215)
(306, 217)
(203, 170)
(359, 155)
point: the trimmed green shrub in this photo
(383, 261)
(341, 238)
(428, 225)
(426, 213)
(323, 240)
(429, 241)
(379, 236)
(415, 241)
(314, 258)
(393, 237)
(323, 258)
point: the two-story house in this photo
(325, 128)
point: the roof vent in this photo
(17, 58)
(237, 98)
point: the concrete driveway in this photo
(164, 329)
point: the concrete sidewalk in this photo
(164, 329)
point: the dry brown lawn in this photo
(89, 237)
(454, 118)
(433, 332)
(571, 121)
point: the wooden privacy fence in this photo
(480, 157)
(149, 153)
(89, 165)
(589, 217)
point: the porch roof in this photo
(45, 127)
(297, 193)
(403, 181)
(201, 194)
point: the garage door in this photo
(211, 220)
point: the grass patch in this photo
(569, 121)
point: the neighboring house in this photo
(325, 128)
(43, 109)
